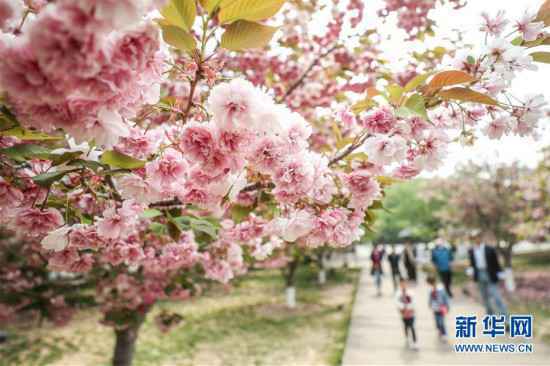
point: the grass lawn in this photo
(245, 325)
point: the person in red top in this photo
(405, 304)
(376, 270)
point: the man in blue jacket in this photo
(442, 257)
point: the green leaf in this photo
(543, 57)
(403, 112)
(239, 213)
(178, 38)
(7, 119)
(210, 5)
(94, 165)
(471, 60)
(243, 35)
(252, 10)
(517, 41)
(158, 228)
(363, 105)
(151, 213)
(23, 152)
(58, 159)
(173, 230)
(395, 92)
(47, 179)
(203, 226)
(28, 135)
(467, 95)
(180, 13)
(120, 160)
(417, 104)
(416, 82)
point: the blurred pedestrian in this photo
(487, 273)
(442, 257)
(376, 258)
(394, 258)
(439, 303)
(409, 257)
(405, 304)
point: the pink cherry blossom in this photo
(528, 27)
(36, 222)
(494, 25)
(383, 150)
(235, 104)
(294, 226)
(9, 195)
(10, 14)
(293, 180)
(197, 142)
(381, 120)
(406, 172)
(168, 171)
(363, 187)
(498, 127)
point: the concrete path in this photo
(376, 333)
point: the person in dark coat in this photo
(393, 259)
(409, 257)
(487, 271)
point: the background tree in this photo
(533, 220)
(483, 198)
(407, 214)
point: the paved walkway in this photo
(376, 334)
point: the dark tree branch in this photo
(305, 74)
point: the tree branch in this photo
(301, 79)
(360, 140)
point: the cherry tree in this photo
(135, 163)
(484, 198)
(533, 219)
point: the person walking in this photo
(393, 259)
(487, 273)
(439, 303)
(376, 258)
(405, 304)
(442, 257)
(409, 257)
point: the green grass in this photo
(248, 325)
(532, 261)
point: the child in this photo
(439, 303)
(406, 307)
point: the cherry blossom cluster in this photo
(412, 15)
(325, 68)
(413, 143)
(71, 69)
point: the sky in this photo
(508, 149)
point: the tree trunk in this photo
(507, 252)
(289, 280)
(125, 344)
(322, 276)
(508, 272)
